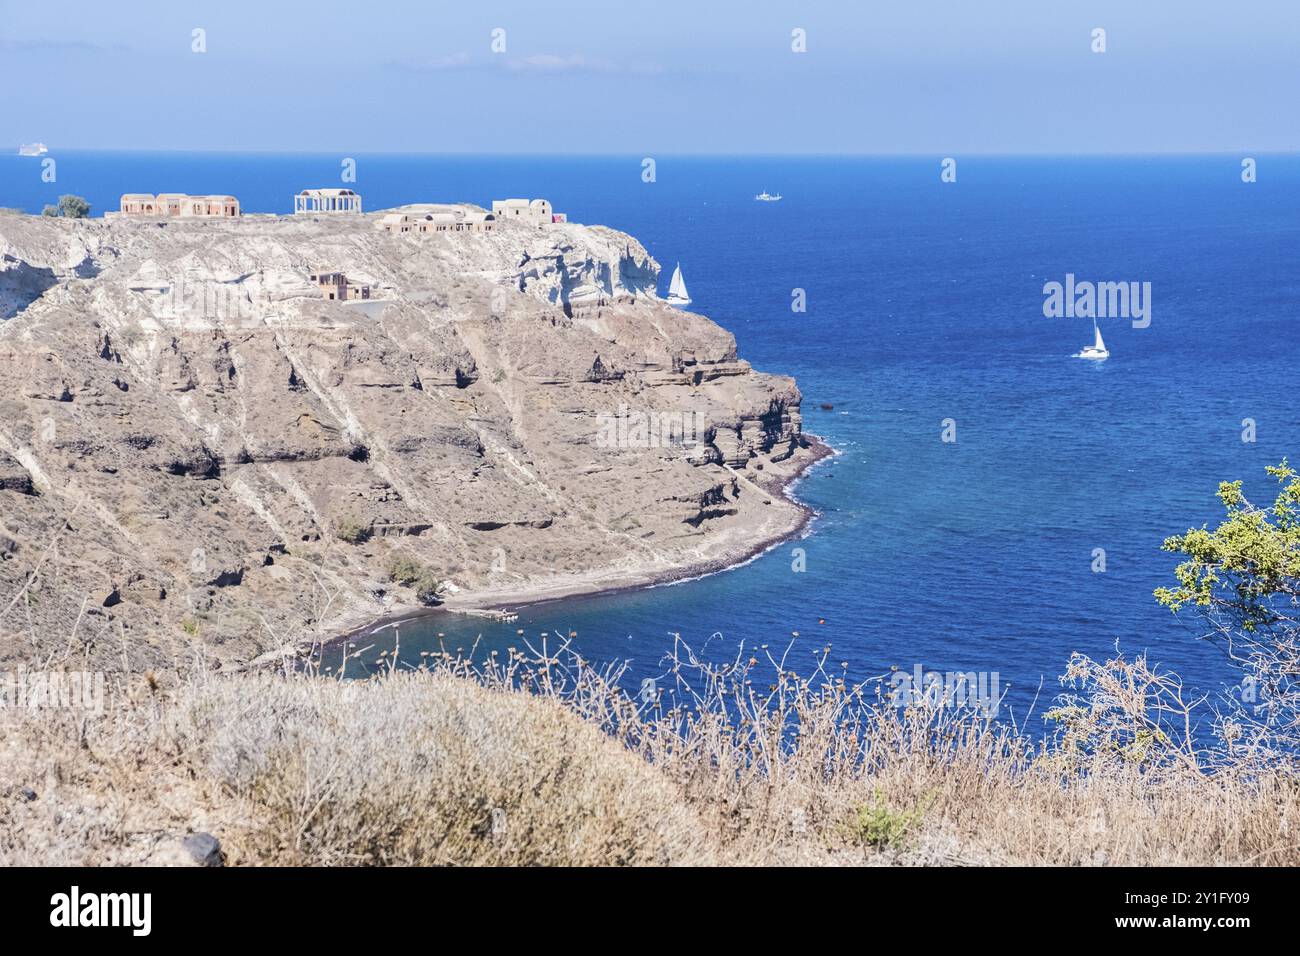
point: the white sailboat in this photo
(1097, 350)
(677, 294)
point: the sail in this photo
(677, 289)
(1099, 345)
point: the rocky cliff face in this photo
(196, 447)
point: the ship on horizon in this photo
(33, 149)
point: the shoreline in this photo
(493, 604)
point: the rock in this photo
(22, 284)
(194, 849)
(143, 587)
(226, 577)
(13, 477)
(28, 794)
(203, 848)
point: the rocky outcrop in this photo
(196, 448)
(602, 268)
(37, 254)
(13, 477)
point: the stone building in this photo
(337, 287)
(396, 222)
(436, 218)
(316, 201)
(179, 205)
(533, 212)
(461, 220)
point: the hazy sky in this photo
(913, 76)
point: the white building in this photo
(313, 201)
(535, 212)
(179, 205)
(432, 217)
(396, 222)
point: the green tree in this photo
(351, 531)
(1243, 578)
(73, 207)
(50, 210)
(404, 570)
(428, 589)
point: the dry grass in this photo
(541, 759)
(413, 769)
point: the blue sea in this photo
(924, 303)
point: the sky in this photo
(673, 76)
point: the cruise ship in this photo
(32, 149)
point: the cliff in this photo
(196, 445)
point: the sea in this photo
(995, 503)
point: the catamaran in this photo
(33, 149)
(677, 294)
(765, 196)
(1097, 350)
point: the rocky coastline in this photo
(200, 454)
(498, 605)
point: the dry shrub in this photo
(790, 768)
(85, 789)
(540, 758)
(411, 769)
(420, 768)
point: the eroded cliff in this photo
(196, 447)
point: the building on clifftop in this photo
(179, 205)
(438, 218)
(534, 212)
(314, 201)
